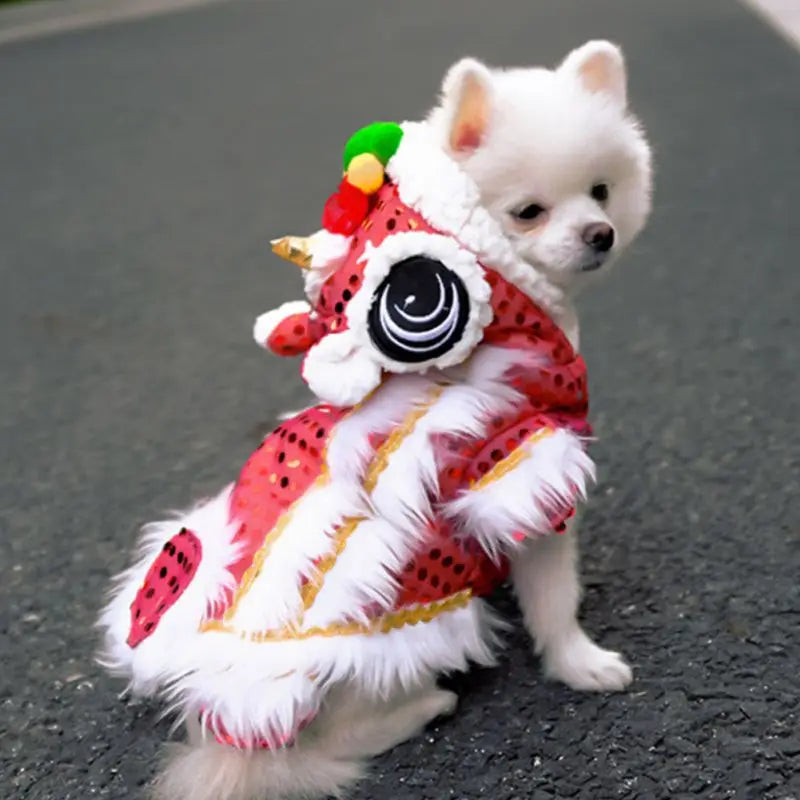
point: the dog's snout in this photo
(599, 236)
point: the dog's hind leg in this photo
(359, 726)
(546, 582)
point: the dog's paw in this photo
(444, 703)
(584, 666)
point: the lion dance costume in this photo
(362, 534)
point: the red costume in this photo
(361, 534)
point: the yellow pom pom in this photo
(365, 172)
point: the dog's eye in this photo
(528, 212)
(600, 192)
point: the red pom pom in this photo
(345, 209)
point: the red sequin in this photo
(292, 336)
(165, 581)
(279, 472)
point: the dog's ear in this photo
(600, 67)
(466, 101)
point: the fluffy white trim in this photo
(209, 521)
(400, 501)
(555, 474)
(328, 251)
(262, 688)
(206, 770)
(274, 599)
(436, 187)
(267, 322)
(392, 250)
(349, 447)
(339, 371)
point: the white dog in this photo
(565, 170)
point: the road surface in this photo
(144, 166)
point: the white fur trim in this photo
(436, 187)
(328, 251)
(262, 688)
(338, 370)
(274, 598)
(349, 447)
(556, 472)
(209, 521)
(396, 248)
(267, 322)
(400, 500)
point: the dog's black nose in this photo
(599, 236)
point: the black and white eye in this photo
(419, 311)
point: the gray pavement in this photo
(144, 166)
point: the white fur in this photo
(266, 323)
(545, 575)
(349, 447)
(554, 474)
(547, 136)
(274, 597)
(400, 501)
(449, 199)
(146, 664)
(260, 688)
(326, 758)
(328, 251)
(548, 140)
(340, 371)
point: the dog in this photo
(563, 171)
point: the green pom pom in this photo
(381, 139)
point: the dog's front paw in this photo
(577, 661)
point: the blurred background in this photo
(149, 151)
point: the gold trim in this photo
(394, 620)
(376, 467)
(512, 461)
(310, 591)
(395, 439)
(252, 572)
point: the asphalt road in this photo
(143, 168)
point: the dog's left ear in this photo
(600, 67)
(466, 101)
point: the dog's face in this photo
(557, 158)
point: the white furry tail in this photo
(327, 758)
(211, 771)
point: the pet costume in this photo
(361, 535)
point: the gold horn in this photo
(296, 249)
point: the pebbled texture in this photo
(145, 167)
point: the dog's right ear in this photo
(466, 102)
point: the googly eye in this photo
(419, 311)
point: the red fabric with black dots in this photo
(277, 474)
(292, 336)
(165, 581)
(388, 215)
(446, 565)
(518, 322)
